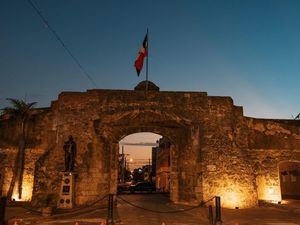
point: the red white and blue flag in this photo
(142, 54)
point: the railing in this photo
(111, 207)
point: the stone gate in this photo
(216, 150)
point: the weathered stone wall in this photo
(271, 142)
(226, 168)
(39, 138)
(215, 149)
(3, 166)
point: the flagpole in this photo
(147, 61)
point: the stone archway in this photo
(112, 128)
(114, 149)
(289, 174)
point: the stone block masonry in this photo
(215, 149)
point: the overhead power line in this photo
(39, 13)
(140, 144)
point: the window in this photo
(283, 178)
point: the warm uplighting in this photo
(235, 197)
(230, 198)
(272, 194)
(271, 190)
(131, 160)
(268, 189)
(15, 197)
(26, 192)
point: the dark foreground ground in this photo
(155, 209)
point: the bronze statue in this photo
(70, 154)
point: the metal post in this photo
(123, 165)
(210, 215)
(218, 210)
(2, 210)
(110, 213)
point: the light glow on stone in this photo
(27, 188)
(268, 189)
(272, 194)
(232, 197)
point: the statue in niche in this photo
(70, 154)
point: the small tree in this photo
(21, 112)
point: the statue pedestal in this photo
(66, 197)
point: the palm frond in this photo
(30, 105)
(17, 104)
(19, 108)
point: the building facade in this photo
(163, 164)
(215, 149)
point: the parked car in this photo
(122, 187)
(142, 186)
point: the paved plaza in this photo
(155, 209)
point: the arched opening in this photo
(144, 163)
(111, 130)
(289, 173)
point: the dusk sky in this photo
(249, 50)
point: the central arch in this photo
(179, 130)
(175, 147)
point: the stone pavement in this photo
(129, 215)
(22, 216)
(255, 216)
(260, 216)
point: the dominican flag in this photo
(142, 54)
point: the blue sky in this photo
(248, 50)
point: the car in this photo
(142, 186)
(122, 187)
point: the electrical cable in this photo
(39, 13)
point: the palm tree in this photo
(21, 112)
